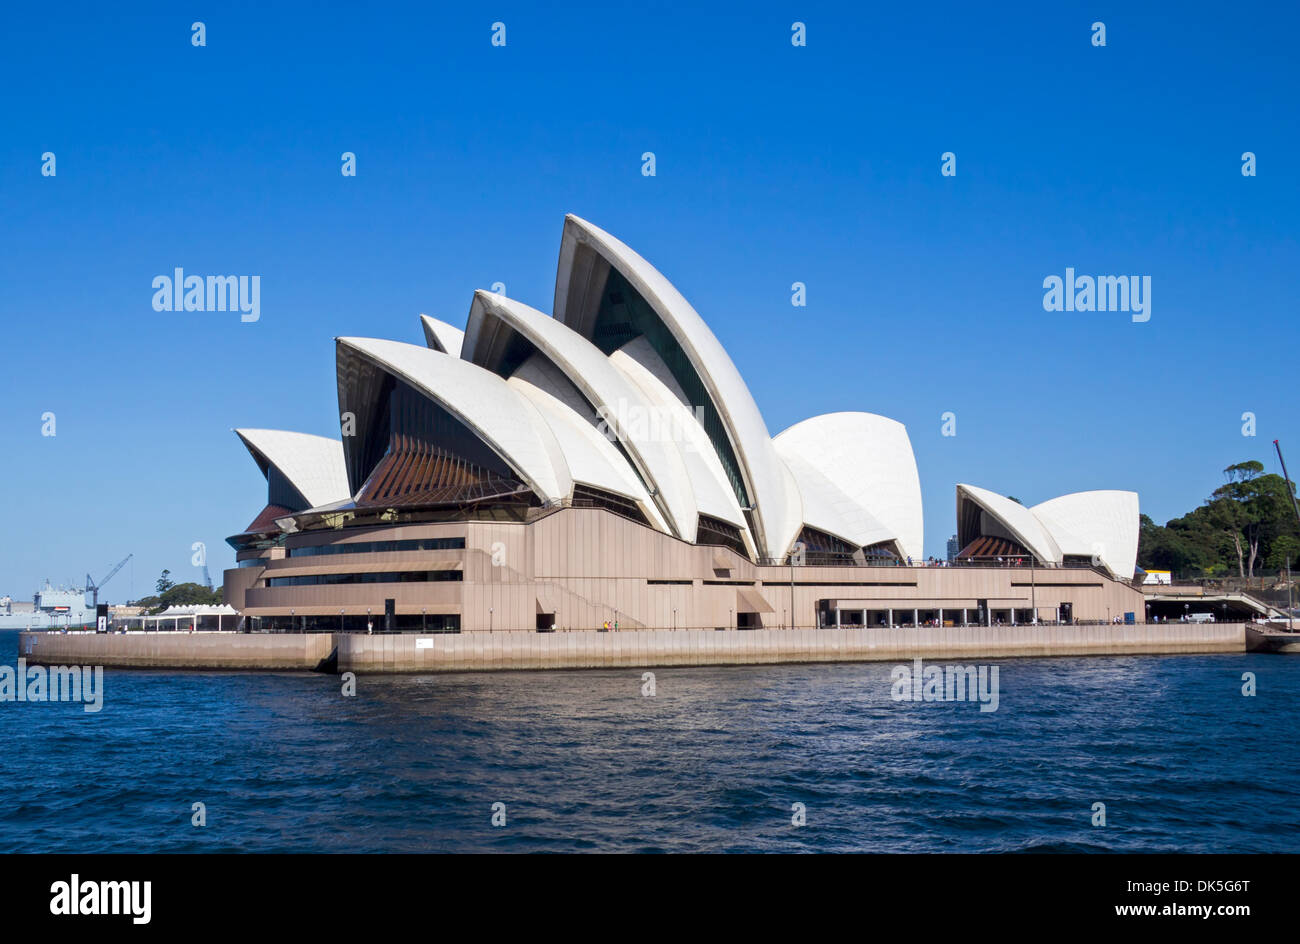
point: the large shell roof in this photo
(777, 509)
(591, 456)
(857, 468)
(617, 399)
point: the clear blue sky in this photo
(775, 164)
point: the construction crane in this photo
(1290, 610)
(207, 577)
(1290, 491)
(93, 588)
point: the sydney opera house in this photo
(606, 465)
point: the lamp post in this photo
(423, 622)
(291, 620)
(491, 617)
(340, 621)
(1033, 588)
(674, 619)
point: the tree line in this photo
(177, 594)
(1247, 525)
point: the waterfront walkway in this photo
(460, 652)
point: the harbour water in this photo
(713, 761)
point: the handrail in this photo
(814, 559)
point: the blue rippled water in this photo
(712, 763)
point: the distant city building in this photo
(953, 548)
(607, 465)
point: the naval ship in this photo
(52, 608)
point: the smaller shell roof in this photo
(440, 336)
(1103, 524)
(499, 415)
(312, 464)
(1020, 521)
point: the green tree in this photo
(1284, 552)
(1167, 548)
(1249, 507)
(187, 594)
(164, 582)
(1247, 520)
(180, 594)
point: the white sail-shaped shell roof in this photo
(1019, 522)
(857, 474)
(1101, 524)
(827, 508)
(440, 336)
(505, 420)
(609, 391)
(777, 512)
(591, 457)
(713, 493)
(312, 464)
